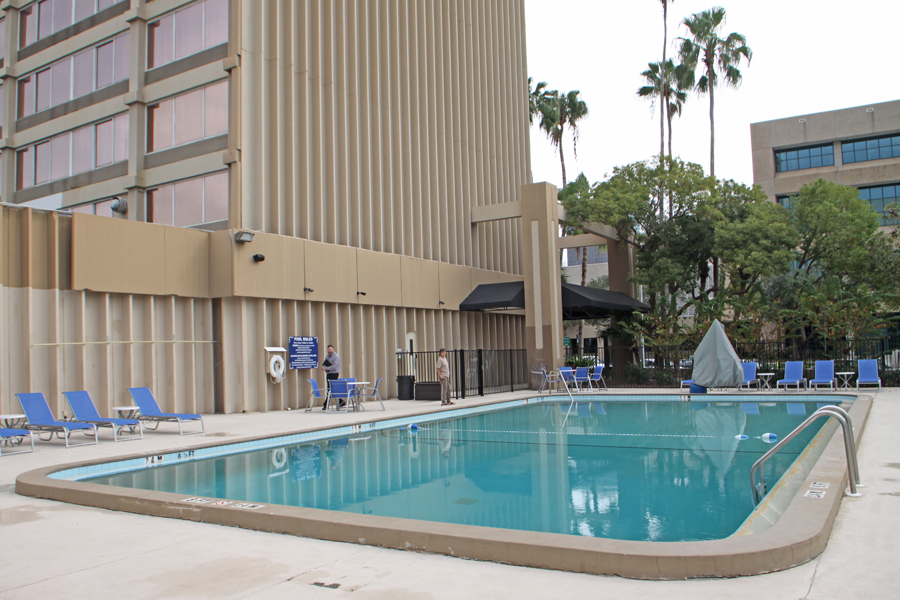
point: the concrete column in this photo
(540, 266)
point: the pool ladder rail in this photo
(759, 488)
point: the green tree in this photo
(539, 99)
(568, 112)
(573, 196)
(718, 59)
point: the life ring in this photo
(276, 368)
(279, 458)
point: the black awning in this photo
(487, 296)
(578, 302)
(581, 302)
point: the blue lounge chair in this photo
(85, 412)
(686, 383)
(315, 394)
(41, 419)
(371, 392)
(868, 373)
(597, 377)
(793, 375)
(750, 375)
(339, 392)
(824, 374)
(582, 377)
(151, 413)
(15, 436)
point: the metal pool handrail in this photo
(843, 418)
(571, 399)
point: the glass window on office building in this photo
(47, 17)
(881, 197)
(198, 27)
(191, 202)
(196, 115)
(871, 149)
(804, 158)
(595, 255)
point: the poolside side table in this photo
(127, 412)
(844, 377)
(766, 379)
(12, 422)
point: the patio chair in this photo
(750, 375)
(568, 377)
(15, 436)
(151, 413)
(548, 379)
(315, 394)
(686, 383)
(582, 377)
(86, 412)
(371, 392)
(339, 392)
(597, 377)
(868, 373)
(824, 375)
(41, 419)
(793, 375)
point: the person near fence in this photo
(443, 370)
(332, 367)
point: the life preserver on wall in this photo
(279, 458)
(276, 368)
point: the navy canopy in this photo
(578, 302)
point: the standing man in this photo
(443, 369)
(332, 367)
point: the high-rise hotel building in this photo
(353, 138)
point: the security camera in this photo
(258, 257)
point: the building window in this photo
(187, 31)
(880, 197)
(191, 202)
(804, 158)
(595, 255)
(46, 17)
(871, 149)
(73, 152)
(75, 76)
(187, 118)
(103, 209)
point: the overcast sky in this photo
(808, 56)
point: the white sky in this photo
(808, 56)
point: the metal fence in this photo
(472, 372)
(667, 366)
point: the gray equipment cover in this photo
(716, 364)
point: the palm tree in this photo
(665, 65)
(538, 98)
(568, 111)
(656, 88)
(720, 58)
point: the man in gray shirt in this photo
(332, 367)
(443, 370)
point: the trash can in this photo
(405, 387)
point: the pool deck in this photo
(51, 548)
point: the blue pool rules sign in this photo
(303, 352)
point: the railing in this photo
(667, 366)
(473, 372)
(759, 489)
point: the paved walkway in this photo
(51, 549)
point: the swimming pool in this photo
(508, 467)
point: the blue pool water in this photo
(647, 470)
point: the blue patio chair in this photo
(339, 392)
(315, 394)
(85, 412)
(41, 419)
(750, 375)
(15, 436)
(582, 377)
(793, 375)
(597, 377)
(548, 379)
(151, 413)
(686, 383)
(824, 375)
(568, 377)
(868, 373)
(371, 392)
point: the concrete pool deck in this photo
(51, 547)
